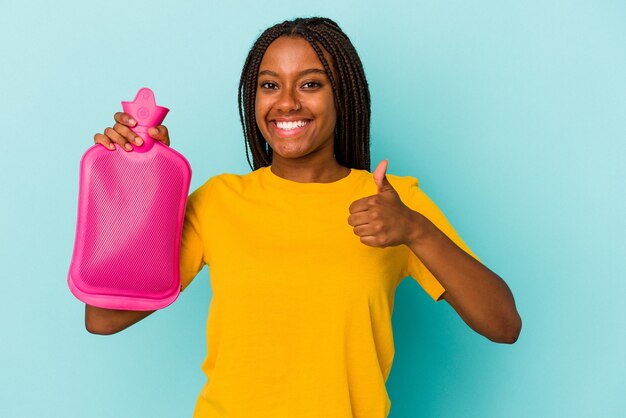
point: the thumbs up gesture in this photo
(382, 220)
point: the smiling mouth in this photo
(289, 128)
(290, 125)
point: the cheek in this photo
(333, 115)
(330, 114)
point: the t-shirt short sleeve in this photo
(420, 202)
(191, 243)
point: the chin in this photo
(290, 150)
(290, 155)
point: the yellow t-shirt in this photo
(299, 325)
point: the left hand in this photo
(382, 220)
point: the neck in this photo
(322, 172)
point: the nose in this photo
(288, 101)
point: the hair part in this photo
(350, 91)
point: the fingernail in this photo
(138, 140)
(132, 121)
(128, 147)
(154, 131)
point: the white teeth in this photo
(291, 125)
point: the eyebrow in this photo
(300, 74)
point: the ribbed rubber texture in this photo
(131, 208)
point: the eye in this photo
(311, 85)
(268, 85)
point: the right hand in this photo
(121, 134)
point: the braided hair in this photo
(350, 91)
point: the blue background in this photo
(511, 114)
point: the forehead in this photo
(291, 54)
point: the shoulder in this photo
(228, 179)
(402, 182)
(404, 185)
(224, 182)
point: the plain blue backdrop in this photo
(512, 115)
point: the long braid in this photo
(247, 92)
(348, 83)
(350, 90)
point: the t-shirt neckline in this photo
(290, 185)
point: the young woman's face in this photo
(294, 107)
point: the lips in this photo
(289, 125)
(289, 128)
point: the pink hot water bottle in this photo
(131, 207)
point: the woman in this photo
(306, 251)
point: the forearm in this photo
(109, 321)
(481, 298)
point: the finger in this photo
(370, 228)
(360, 205)
(360, 218)
(380, 177)
(114, 136)
(124, 119)
(103, 140)
(160, 133)
(359, 230)
(372, 241)
(366, 230)
(128, 134)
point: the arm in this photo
(480, 297)
(110, 321)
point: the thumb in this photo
(380, 177)
(160, 133)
